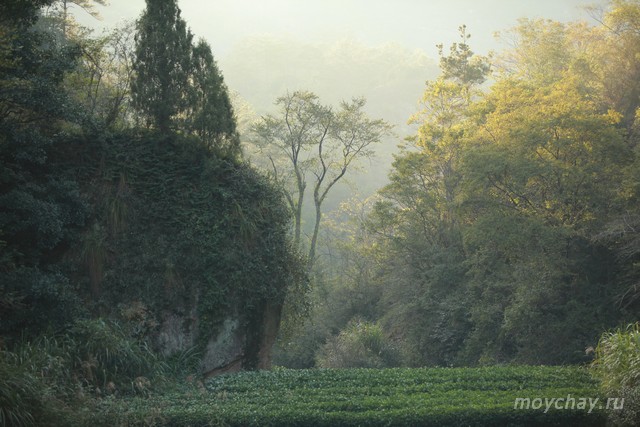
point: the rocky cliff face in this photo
(240, 342)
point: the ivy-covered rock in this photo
(198, 241)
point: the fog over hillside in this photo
(390, 76)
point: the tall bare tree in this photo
(310, 148)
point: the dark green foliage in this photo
(183, 363)
(43, 381)
(41, 208)
(345, 289)
(20, 393)
(34, 300)
(331, 311)
(101, 353)
(126, 225)
(177, 85)
(211, 114)
(21, 10)
(89, 220)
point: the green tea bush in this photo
(367, 397)
(617, 366)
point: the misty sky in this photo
(415, 24)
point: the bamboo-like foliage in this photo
(617, 366)
(617, 362)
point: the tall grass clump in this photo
(33, 380)
(105, 356)
(20, 393)
(183, 363)
(42, 380)
(617, 366)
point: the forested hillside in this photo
(508, 231)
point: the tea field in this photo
(372, 397)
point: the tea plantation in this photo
(370, 397)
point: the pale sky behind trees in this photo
(415, 24)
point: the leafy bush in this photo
(46, 378)
(361, 345)
(50, 360)
(617, 366)
(196, 225)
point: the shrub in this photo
(183, 363)
(361, 345)
(46, 378)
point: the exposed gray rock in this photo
(238, 343)
(224, 348)
(177, 333)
